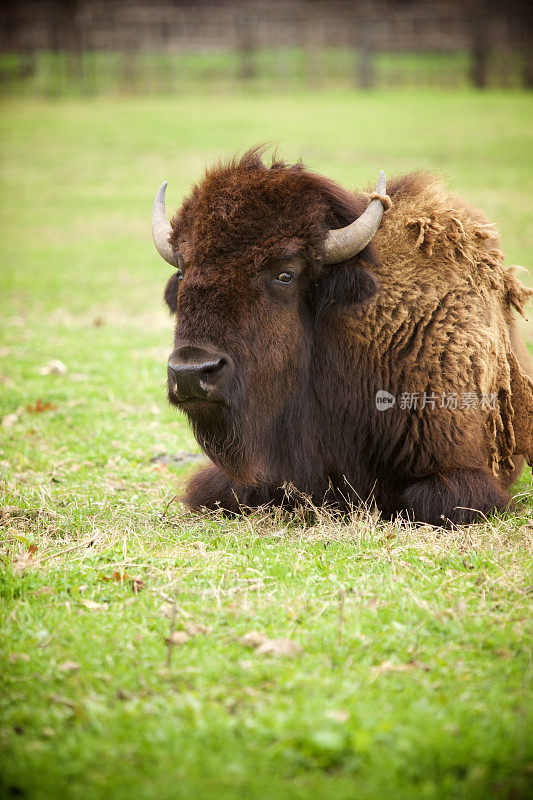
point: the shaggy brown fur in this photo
(425, 308)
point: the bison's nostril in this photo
(211, 368)
(197, 377)
(210, 372)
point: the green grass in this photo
(414, 676)
(46, 73)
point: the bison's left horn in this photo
(161, 229)
(345, 243)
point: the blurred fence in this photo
(164, 46)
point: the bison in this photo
(356, 355)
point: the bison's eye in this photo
(179, 276)
(285, 277)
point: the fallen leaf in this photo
(120, 576)
(39, 406)
(69, 666)
(177, 638)
(92, 605)
(503, 652)
(63, 701)
(390, 666)
(13, 657)
(54, 367)
(255, 587)
(182, 457)
(26, 560)
(11, 419)
(251, 692)
(279, 647)
(167, 609)
(7, 382)
(42, 590)
(254, 639)
(270, 647)
(338, 715)
(195, 628)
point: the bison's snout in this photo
(198, 374)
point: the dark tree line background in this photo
(478, 41)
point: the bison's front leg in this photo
(455, 497)
(210, 489)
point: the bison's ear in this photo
(344, 287)
(171, 293)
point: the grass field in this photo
(292, 69)
(410, 669)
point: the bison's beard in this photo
(256, 448)
(219, 432)
(250, 446)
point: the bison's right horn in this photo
(344, 243)
(161, 229)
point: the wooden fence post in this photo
(480, 49)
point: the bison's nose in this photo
(197, 373)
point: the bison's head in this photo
(266, 259)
